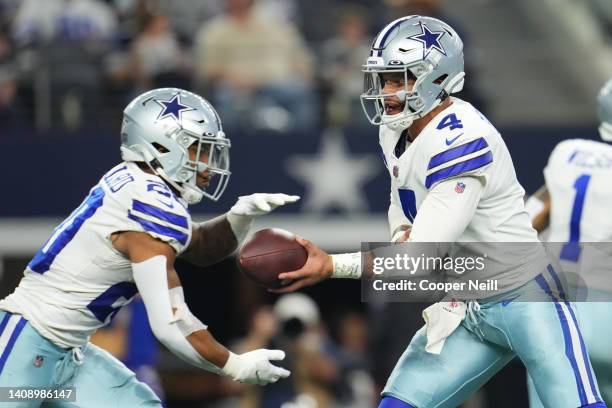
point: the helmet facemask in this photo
(207, 154)
(373, 97)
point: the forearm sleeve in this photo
(151, 279)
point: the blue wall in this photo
(48, 175)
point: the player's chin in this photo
(202, 183)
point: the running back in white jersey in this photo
(77, 281)
(578, 177)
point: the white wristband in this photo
(184, 319)
(347, 265)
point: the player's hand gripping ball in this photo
(269, 252)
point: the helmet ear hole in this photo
(159, 147)
(440, 79)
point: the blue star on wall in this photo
(173, 108)
(429, 39)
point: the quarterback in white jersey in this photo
(573, 207)
(452, 180)
(122, 241)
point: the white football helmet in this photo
(425, 50)
(160, 126)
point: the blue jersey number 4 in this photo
(571, 250)
(451, 121)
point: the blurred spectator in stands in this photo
(67, 41)
(8, 8)
(90, 21)
(258, 67)
(187, 16)
(11, 109)
(157, 57)
(286, 10)
(317, 19)
(342, 57)
(357, 387)
(293, 325)
(602, 12)
(11, 114)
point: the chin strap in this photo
(188, 192)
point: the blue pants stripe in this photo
(582, 346)
(9, 346)
(392, 402)
(569, 351)
(4, 322)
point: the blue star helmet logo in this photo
(173, 108)
(429, 39)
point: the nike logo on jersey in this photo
(451, 141)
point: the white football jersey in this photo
(461, 142)
(78, 281)
(578, 177)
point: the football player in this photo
(123, 240)
(574, 205)
(452, 180)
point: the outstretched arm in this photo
(211, 242)
(442, 217)
(214, 240)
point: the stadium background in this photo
(285, 76)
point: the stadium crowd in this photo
(265, 64)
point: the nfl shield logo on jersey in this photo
(460, 187)
(395, 171)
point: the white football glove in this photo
(258, 204)
(255, 368)
(241, 215)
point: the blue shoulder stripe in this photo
(160, 229)
(159, 213)
(456, 152)
(69, 228)
(459, 168)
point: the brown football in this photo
(269, 252)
